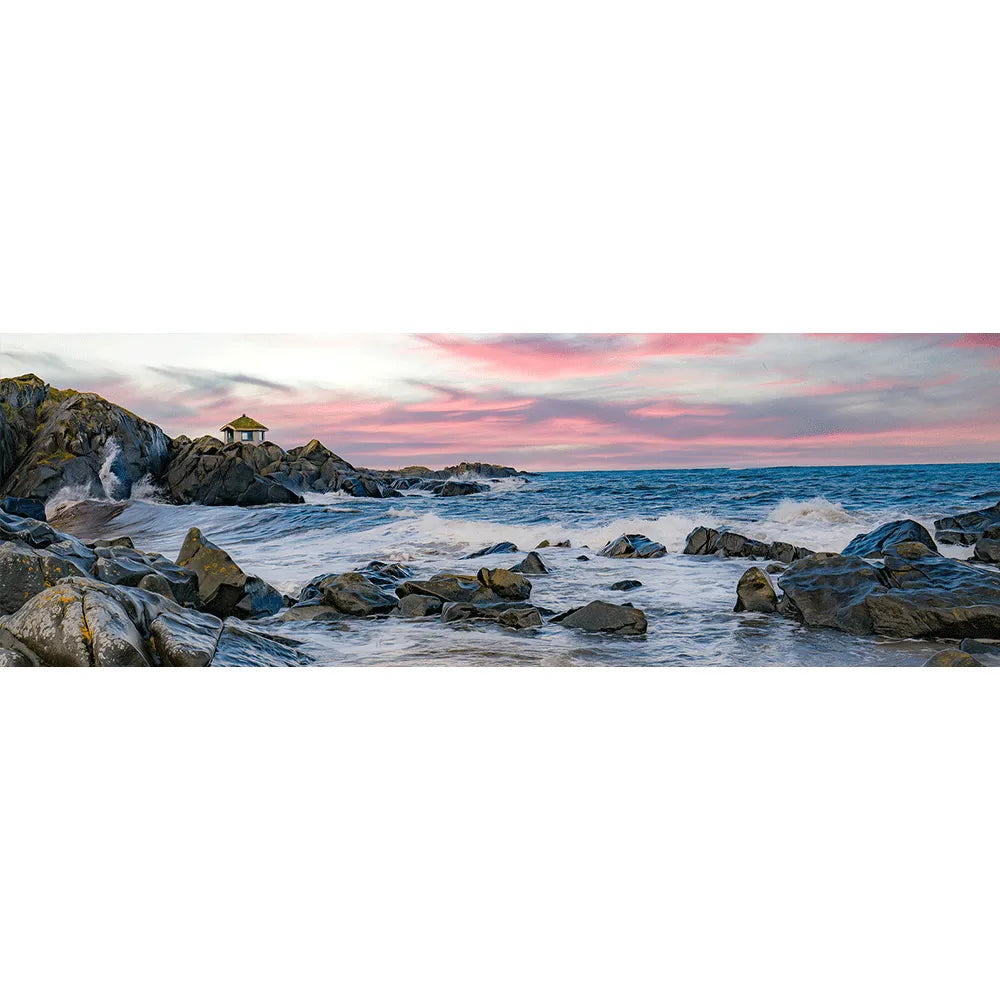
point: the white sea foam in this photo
(113, 487)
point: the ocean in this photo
(688, 600)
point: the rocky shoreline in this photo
(80, 598)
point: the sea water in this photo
(688, 600)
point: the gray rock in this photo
(626, 585)
(185, 640)
(987, 550)
(554, 545)
(873, 544)
(114, 543)
(968, 528)
(831, 591)
(419, 606)
(454, 488)
(633, 547)
(599, 616)
(26, 571)
(731, 545)
(531, 565)
(754, 592)
(241, 645)
(507, 586)
(153, 583)
(355, 595)
(310, 611)
(449, 588)
(509, 617)
(223, 588)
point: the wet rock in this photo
(508, 586)
(25, 572)
(599, 616)
(968, 528)
(633, 547)
(987, 550)
(21, 507)
(241, 645)
(952, 658)
(776, 568)
(501, 548)
(419, 606)
(755, 593)
(872, 544)
(185, 640)
(454, 488)
(449, 588)
(127, 567)
(509, 617)
(626, 585)
(153, 583)
(583, 558)
(223, 588)
(731, 545)
(531, 565)
(554, 545)
(831, 591)
(355, 595)
(916, 594)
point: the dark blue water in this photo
(688, 600)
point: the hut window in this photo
(246, 435)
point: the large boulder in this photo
(873, 544)
(831, 591)
(223, 588)
(917, 594)
(513, 617)
(932, 596)
(988, 547)
(208, 472)
(633, 547)
(128, 567)
(755, 592)
(88, 623)
(457, 488)
(599, 616)
(732, 545)
(77, 441)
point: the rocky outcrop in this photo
(719, 542)
(916, 594)
(874, 543)
(88, 623)
(755, 592)
(55, 439)
(223, 588)
(512, 617)
(507, 585)
(633, 547)
(354, 595)
(988, 547)
(968, 528)
(208, 472)
(449, 588)
(626, 585)
(599, 616)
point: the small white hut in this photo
(244, 430)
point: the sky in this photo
(546, 402)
